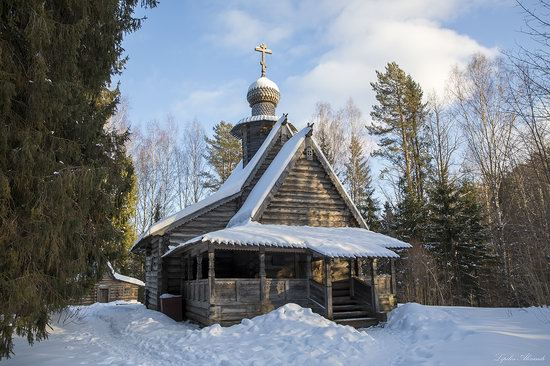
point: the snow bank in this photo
(128, 334)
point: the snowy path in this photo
(129, 334)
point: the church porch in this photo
(226, 283)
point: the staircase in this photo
(347, 311)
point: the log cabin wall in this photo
(307, 196)
(215, 219)
(152, 275)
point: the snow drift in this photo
(129, 334)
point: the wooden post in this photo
(373, 285)
(160, 282)
(393, 277)
(199, 266)
(211, 274)
(263, 298)
(189, 268)
(328, 287)
(183, 274)
(360, 273)
(351, 275)
(308, 275)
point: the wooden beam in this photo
(199, 266)
(211, 274)
(183, 274)
(328, 287)
(393, 277)
(308, 275)
(351, 275)
(262, 279)
(373, 285)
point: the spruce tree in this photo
(358, 178)
(65, 180)
(223, 154)
(457, 237)
(387, 220)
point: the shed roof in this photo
(344, 242)
(123, 278)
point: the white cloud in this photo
(239, 30)
(365, 35)
(345, 43)
(224, 102)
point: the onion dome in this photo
(263, 96)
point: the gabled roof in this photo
(341, 242)
(230, 188)
(123, 278)
(262, 190)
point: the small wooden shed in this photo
(113, 286)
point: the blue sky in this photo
(195, 59)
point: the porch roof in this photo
(345, 242)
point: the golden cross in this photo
(263, 49)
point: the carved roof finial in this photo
(263, 49)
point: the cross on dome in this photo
(263, 49)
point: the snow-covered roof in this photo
(259, 117)
(345, 242)
(123, 278)
(263, 82)
(268, 179)
(231, 186)
(266, 183)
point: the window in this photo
(309, 153)
(127, 291)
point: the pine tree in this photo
(223, 154)
(398, 119)
(359, 181)
(65, 180)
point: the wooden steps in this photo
(349, 311)
(364, 322)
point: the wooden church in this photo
(281, 229)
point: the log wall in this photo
(152, 275)
(307, 196)
(238, 298)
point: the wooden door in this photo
(103, 295)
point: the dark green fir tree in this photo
(457, 237)
(65, 180)
(358, 178)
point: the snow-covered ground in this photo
(129, 334)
